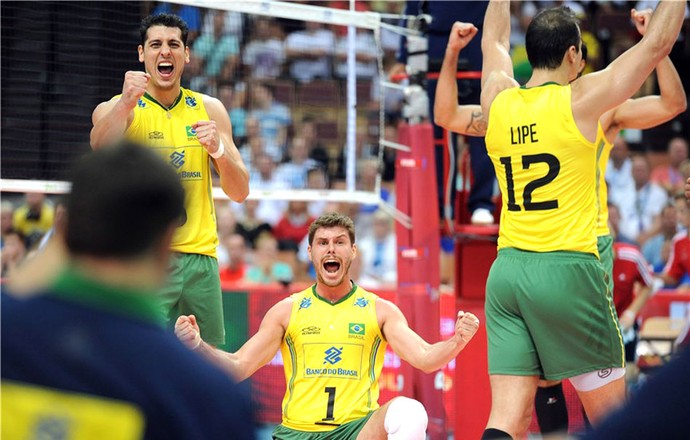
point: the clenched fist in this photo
(466, 326)
(460, 35)
(134, 87)
(207, 133)
(187, 331)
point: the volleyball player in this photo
(549, 313)
(190, 130)
(640, 113)
(332, 337)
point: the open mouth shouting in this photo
(165, 69)
(331, 266)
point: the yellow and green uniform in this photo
(546, 171)
(333, 356)
(548, 309)
(169, 132)
(604, 239)
(193, 285)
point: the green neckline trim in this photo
(74, 285)
(548, 83)
(167, 109)
(352, 292)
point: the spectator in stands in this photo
(262, 177)
(619, 170)
(365, 55)
(233, 98)
(249, 225)
(379, 253)
(309, 52)
(253, 144)
(669, 176)
(233, 23)
(632, 287)
(309, 133)
(267, 268)
(226, 225)
(666, 227)
(214, 46)
(368, 170)
(294, 171)
(89, 353)
(34, 217)
(677, 268)
(264, 54)
(639, 205)
(274, 119)
(6, 220)
(293, 226)
(236, 267)
(614, 225)
(13, 252)
(317, 179)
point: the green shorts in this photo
(193, 288)
(348, 431)
(551, 315)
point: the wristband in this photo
(629, 313)
(219, 152)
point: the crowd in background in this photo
(255, 65)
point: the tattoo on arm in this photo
(477, 124)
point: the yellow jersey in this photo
(604, 148)
(169, 132)
(546, 170)
(333, 356)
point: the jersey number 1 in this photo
(331, 403)
(554, 168)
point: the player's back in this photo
(546, 171)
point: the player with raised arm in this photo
(332, 337)
(190, 130)
(640, 113)
(549, 312)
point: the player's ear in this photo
(141, 53)
(186, 54)
(354, 250)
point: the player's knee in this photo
(406, 419)
(596, 379)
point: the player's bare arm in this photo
(464, 119)
(596, 93)
(497, 67)
(111, 118)
(254, 354)
(413, 348)
(234, 177)
(649, 111)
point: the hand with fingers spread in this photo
(209, 137)
(466, 326)
(460, 35)
(187, 331)
(134, 87)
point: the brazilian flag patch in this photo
(356, 328)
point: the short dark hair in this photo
(332, 220)
(584, 50)
(123, 200)
(549, 35)
(167, 20)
